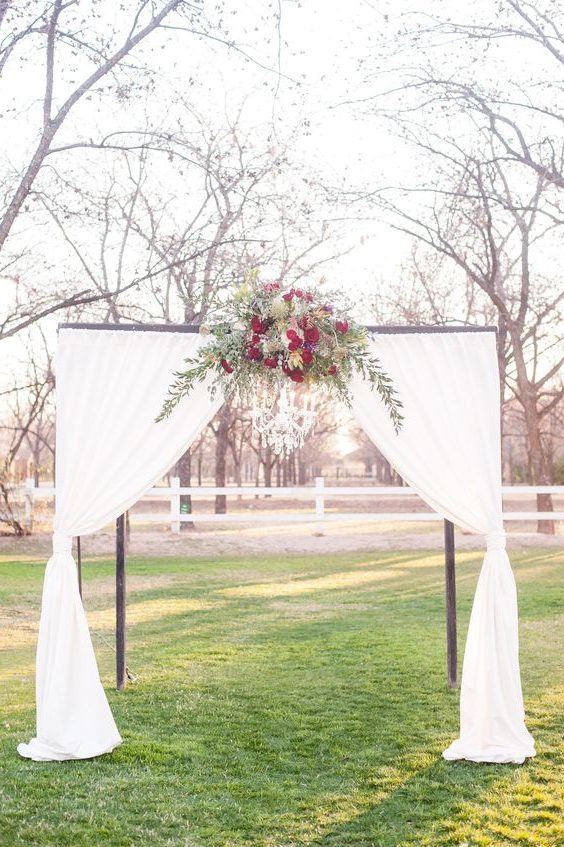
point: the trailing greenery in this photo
(286, 701)
(267, 336)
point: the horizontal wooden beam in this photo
(133, 327)
(192, 328)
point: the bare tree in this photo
(522, 110)
(483, 196)
(82, 57)
(25, 424)
(492, 233)
(52, 24)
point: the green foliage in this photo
(287, 701)
(249, 347)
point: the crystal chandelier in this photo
(281, 419)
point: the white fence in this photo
(317, 493)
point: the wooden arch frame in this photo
(449, 545)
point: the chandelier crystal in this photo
(283, 419)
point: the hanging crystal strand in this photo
(281, 419)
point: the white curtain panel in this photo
(449, 451)
(110, 451)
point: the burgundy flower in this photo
(342, 326)
(296, 375)
(292, 334)
(286, 368)
(312, 334)
(254, 354)
(307, 357)
(289, 295)
(299, 293)
(294, 344)
(332, 370)
(309, 297)
(271, 362)
(257, 325)
(226, 366)
(256, 338)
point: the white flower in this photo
(278, 308)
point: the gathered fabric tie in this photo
(496, 539)
(62, 543)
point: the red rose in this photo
(226, 366)
(342, 326)
(312, 334)
(299, 293)
(288, 296)
(296, 375)
(255, 339)
(304, 322)
(257, 324)
(292, 335)
(332, 370)
(294, 344)
(307, 357)
(254, 354)
(271, 362)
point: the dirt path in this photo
(339, 537)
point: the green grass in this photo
(287, 701)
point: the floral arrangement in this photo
(269, 335)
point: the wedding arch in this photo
(111, 380)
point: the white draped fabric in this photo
(110, 451)
(110, 386)
(449, 451)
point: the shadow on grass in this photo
(322, 726)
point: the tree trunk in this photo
(537, 461)
(257, 474)
(267, 468)
(184, 473)
(7, 514)
(221, 447)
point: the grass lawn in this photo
(281, 702)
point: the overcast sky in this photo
(328, 54)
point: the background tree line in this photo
(110, 211)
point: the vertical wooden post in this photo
(121, 675)
(174, 504)
(450, 598)
(79, 565)
(319, 504)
